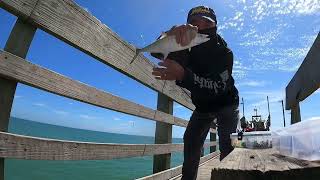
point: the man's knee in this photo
(191, 140)
(225, 143)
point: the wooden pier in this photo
(67, 21)
(264, 164)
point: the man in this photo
(205, 71)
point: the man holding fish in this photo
(199, 60)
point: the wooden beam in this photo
(176, 171)
(21, 8)
(163, 134)
(18, 43)
(17, 69)
(307, 78)
(264, 164)
(184, 123)
(26, 147)
(69, 22)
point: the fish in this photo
(167, 44)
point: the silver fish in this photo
(167, 44)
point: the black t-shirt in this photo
(208, 68)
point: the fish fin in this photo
(200, 38)
(205, 37)
(165, 55)
(136, 55)
(163, 35)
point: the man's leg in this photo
(194, 137)
(228, 118)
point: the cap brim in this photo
(202, 16)
(208, 18)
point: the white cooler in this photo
(252, 140)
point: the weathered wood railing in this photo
(305, 81)
(70, 23)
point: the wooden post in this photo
(213, 137)
(295, 114)
(202, 152)
(18, 44)
(163, 134)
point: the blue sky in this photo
(269, 38)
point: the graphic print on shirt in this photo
(217, 86)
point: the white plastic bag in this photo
(300, 140)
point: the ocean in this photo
(119, 169)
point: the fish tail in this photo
(136, 55)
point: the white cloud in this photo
(239, 70)
(238, 73)
(85, 116)
(60, 112)
(305, 7)
(262, 38)
(272, 52)
(313, 118)
(238, 16)
(261, 9)
(128, 124)
(287, 60)
(260, 97)
(39, 104)
(43, 105)
(250, 32)
(116, 119)
(271, 100)
(253, 83)
(235, 22)
(273, 37)
(17, 96)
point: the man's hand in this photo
(184, 33)
(171, 70)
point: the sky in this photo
(270, 39)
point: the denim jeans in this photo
(196, 133)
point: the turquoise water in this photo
(122, 169)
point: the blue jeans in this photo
(197, 131)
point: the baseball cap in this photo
(202, 11)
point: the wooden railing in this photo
(70, 23)
(305, 81)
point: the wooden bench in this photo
(263, 164)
